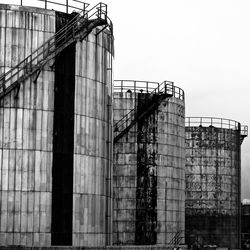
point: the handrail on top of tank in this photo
(134, 86)
(212, 122)
(165, 87)
(66, 5)
(99, 10)
(244, 130)
(148, 87)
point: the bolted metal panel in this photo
(149, 169)
(26, 125)
(93, 141)
(213, 182)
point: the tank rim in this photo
(217, 122)
(140, 86)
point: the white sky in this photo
(201, 45)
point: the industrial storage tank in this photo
(213, 172)
(149, 161)
(55, 126)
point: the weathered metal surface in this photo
(146, 189)
(93, 141)
(149, 173)
(213, 185)
(83, 145)
(26, 127)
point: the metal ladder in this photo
(176, 240)
(78, 28)
(122, 127)
(243, 133)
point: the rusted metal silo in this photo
(93, 140)
(213, 185)
(55, 126)
(149, 161)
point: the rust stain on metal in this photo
(212, 186)
(146, 192)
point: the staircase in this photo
(122, 127)
(78, 28)
(176, 240)
(243, 133)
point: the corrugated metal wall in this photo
(125, 174)
(149, 180)
(171, 170)
(26, 126)
(26, 137)
(213, 185)
(93, 141)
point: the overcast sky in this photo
(201, 45)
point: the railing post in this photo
(73, 31)
(99, 11)
(67, 6)
(84, 8)
(3, 85)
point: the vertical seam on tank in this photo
(36, 192)
(1, 185)
(231, 213)
(28, 174)
(239, 186)
(34, 33)
(94, 126)
(78, 86)
(22, 128)
(9, 170)
(109, 137)
(2, 104)
(15, 168)
(5, 51)
(8, 166)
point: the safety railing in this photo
(217, 123)
(77, 28)
(212, 121)
(163, 90)
(145, 87)
(134, 86)
(63, 5)
(244, 130)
